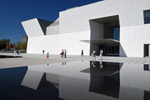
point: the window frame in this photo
(145, 20)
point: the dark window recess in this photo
(146, 67)
(146, 17)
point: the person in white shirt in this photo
(101, 53)
(19, 52)
(14, 52)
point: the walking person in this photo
(19, 51)
(101, 54)
(47, 56)
(43, 51)
(62, 53)
(14, 52)
(94, 54)
(82, 53)
(65, 52)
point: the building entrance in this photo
(105, 34)
(110, 47)
(111, 50)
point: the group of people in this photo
(94, 54)
(63, 53)
(16, 52)
(94, 58)
(47, 55)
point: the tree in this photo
(3, 43)
(24, 46)
(8, 41)
(0, 44)
(7, 46)
(18, 46)
(14, 45)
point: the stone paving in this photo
(136, 60)
(27, 60)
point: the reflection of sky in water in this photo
(81, 80)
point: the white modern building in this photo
(119, 27)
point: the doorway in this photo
(146, 50)
(111, 50)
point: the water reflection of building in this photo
(40, 80)
(79, 80)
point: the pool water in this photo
(8, 56)
(78, 80)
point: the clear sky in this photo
(13, 12)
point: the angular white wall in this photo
(32, 28)
(96, 30)
(53, 28)
(55, 43)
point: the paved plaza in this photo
(36, 59)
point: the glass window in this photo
(116, 33)
(146, 17)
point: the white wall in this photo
(96, 30)
(133, 38)
(149, 50)
(77, 19)
(53, 28)
(32, 28)
(55, 43)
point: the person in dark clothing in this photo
(82, 53)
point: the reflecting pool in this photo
(8, 56)
(78, 80)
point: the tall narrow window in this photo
(146, 17)
(116, 33)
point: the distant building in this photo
(24, 39)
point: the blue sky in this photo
(13, 12)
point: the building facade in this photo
(24, 39)
(119, 27)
